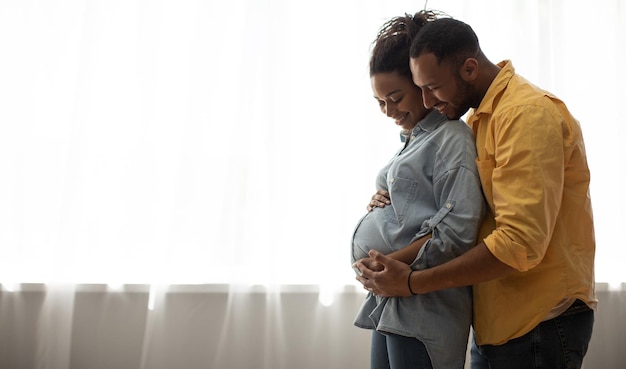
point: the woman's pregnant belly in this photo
(392, 227)
(371, 233)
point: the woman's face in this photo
(399, 98)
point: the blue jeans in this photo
(392, 351)
(559, 343)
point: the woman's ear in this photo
(469, 70)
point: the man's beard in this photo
(464, 98)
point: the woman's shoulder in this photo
(456, 128)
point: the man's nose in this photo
(429, 98)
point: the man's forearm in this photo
(408, 254)
(475, 266)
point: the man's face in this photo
(442, 86)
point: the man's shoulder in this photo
(522, 94)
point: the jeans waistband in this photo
(578, 306)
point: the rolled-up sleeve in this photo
(461, 206)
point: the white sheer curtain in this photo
(181, 142)
(233, 142)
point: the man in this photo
(533, 269)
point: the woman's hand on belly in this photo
(379, 200)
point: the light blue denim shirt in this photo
(434, 188)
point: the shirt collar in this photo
(496, 88)
(430, 122)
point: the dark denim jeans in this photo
(559, 343)
(398, 352)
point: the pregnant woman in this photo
(429, 191)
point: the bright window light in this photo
(184, 142)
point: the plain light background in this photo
(169, 142)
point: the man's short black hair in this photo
(446, 38)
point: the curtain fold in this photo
(200, 327)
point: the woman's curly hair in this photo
(393, 42)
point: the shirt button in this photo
(448, 205)
(391, 180)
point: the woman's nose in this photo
(390, 109)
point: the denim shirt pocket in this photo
(402, 192)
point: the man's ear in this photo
(469, 70)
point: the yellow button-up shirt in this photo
(534, 173)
